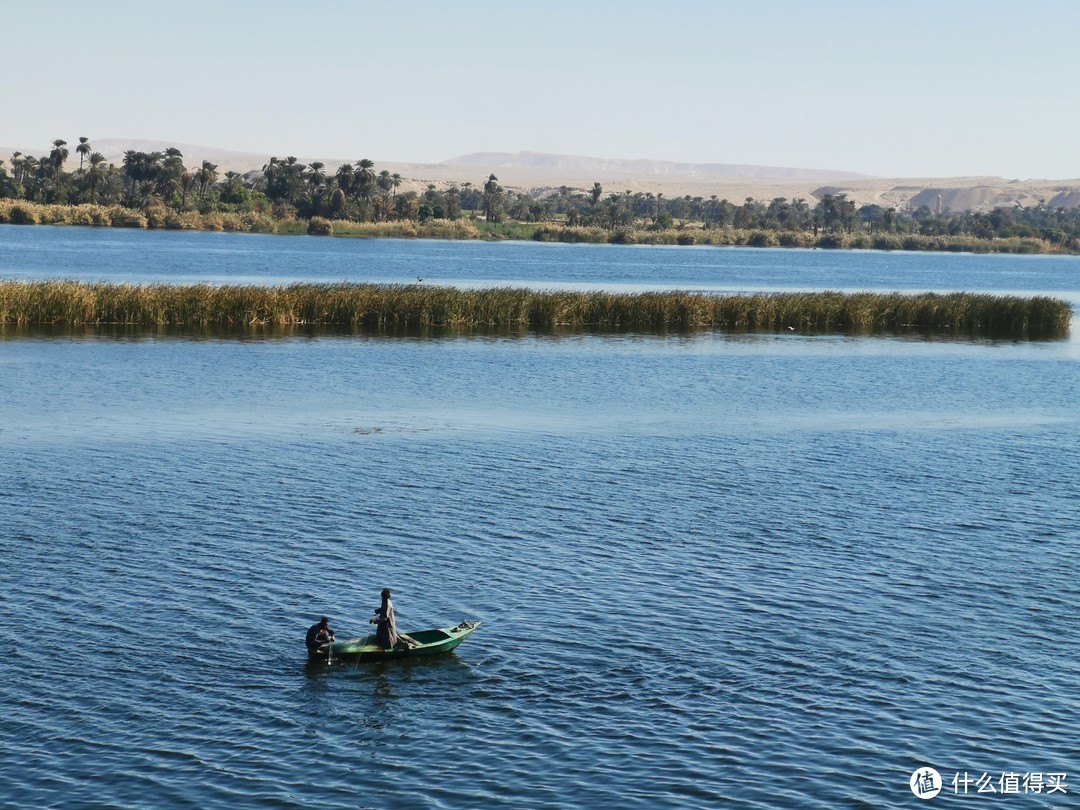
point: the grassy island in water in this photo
(393, 307)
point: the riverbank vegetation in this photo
(157, 190)
(393, 307)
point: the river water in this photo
(713, 570)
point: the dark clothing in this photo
(386, 633)
(317, 635)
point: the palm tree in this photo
(143, 168)
(345, 177)
(130, 164)
(293, 175)
(95, 174)
(365, 177)
(316, 176)
(29, 167)
(233, 184)
(57, 157)
(271, 172)
(453, 203)
(152, 168)
(385, 182)
(37, 178)
(283, 179)
(83, 149)
(395, 181)
(17, 163)
(206, 176)
(169, 178)
(187, 183)
(491, 198)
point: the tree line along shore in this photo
(157, 190)
(397, 307)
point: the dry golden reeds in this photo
(374, 306)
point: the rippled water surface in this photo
(712, 570)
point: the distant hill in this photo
(607, 167)
(735, 182)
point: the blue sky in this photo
(914, 89)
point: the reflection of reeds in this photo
(406, 306)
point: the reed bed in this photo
(455, 229)
(371, 306)
(403, 229)
(17, 212)
(20, 212)
(737, 237)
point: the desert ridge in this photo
(535, 171)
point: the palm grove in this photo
(169, 193)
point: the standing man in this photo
(386, 631)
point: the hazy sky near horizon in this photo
(919, 89)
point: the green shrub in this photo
(122, 217)
(23, 215)
(887, 241)
(647, 237)
(99, 216)
(257, 222)
(156, 213)
(452, 229)
(718, 236)
(570, 235)
(184, 221)
(793, 239)
(763, 239)
(233, 223)
(832, 241)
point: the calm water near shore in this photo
(713, 570)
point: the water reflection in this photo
(417, 668)
(240, 333)
(379, 695)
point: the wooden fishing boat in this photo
(424, 642)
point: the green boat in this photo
(421, 642)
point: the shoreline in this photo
(16, 212)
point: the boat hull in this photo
(427, 642)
